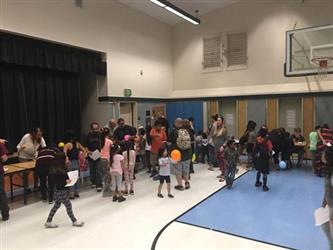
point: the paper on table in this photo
(321, 215)
(73, 176)
(95, 155)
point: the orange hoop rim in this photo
(318, 60)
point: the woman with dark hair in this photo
(72, 150)
(298, 146)
(325, 136)
(220, 136)
(262, 152)
(29, 145)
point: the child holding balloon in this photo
(164, 162)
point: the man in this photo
(3, 198)
(121, 131)
(94, 145)
(158, 138)
(111, 126)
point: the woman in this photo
(72, 150)
(220, 136)
(105, 162)
(298, 146)
(324, 137)
(29, 145)
(328, 195)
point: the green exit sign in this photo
(127, 92)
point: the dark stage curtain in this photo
(35, 97)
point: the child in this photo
(105, 156)
(128, 167)
(116, 171)
(198, 146)
(164, 173)
(221, 163)
(204, 148)
(61, 195)
(231, 159)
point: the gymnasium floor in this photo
(138, 222)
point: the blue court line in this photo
(283, 216)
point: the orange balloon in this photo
(176, 155)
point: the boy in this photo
(231, 159)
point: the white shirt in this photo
(164, 164)
(30, 150)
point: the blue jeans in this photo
(96, 172)
(72, 167)
(230, 174)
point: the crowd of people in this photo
(112, 152)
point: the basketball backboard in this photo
(305, 46)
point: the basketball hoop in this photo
(323, 63)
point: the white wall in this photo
(132, 41)
(266, 24)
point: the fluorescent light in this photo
(180, 15)
(176, 10)
(158, 3)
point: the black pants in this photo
(3, 198)
(46, 182)
(96, 172)
(204, 154)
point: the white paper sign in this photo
(73, 176)
(291, 118)
(95, 155)
(229, 119)
(321, 216)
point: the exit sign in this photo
(127, 92)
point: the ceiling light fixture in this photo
(177, 11)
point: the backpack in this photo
(184, 139)
(260, 153)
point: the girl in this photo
(116, 171)
(72, 150)
(105, 156)
(147, 139)
(164, 173)
(128, 167)
(262, 152)
(61, 195)
(231, 158)
(328, 195)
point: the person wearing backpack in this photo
(181, 139)
(262, 152)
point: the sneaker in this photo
(115, 198)
(99, 189)
(71, 197)
(93, 186)
(187, 185)
(78, 224)
(121, 199)
(211, 169)
(76, 195)
(180, 188)
(131, 192)
(221, 180)
(229, 187)
(170, 196)
(50, 225)
(160, 195)
(126, 193)
(265, 188)
(50, 202)
(5, 218)
(258, 184)
(44, 200)
(219, 176)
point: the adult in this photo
(276, 137)
(44, 164)
(262, 151)
(211, 147)
(313, 138)
(220, 136)
(94, 145)
(3, 198)
(165, 123)
(122, 130)
(325, 137)
(328, 195)
(111, 126)
(158, 139)
(298, 146)
(247, 141)
(72, 150)
(29, 145)
(180, 139)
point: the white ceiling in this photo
(151, 9)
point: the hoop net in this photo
(322, 63)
